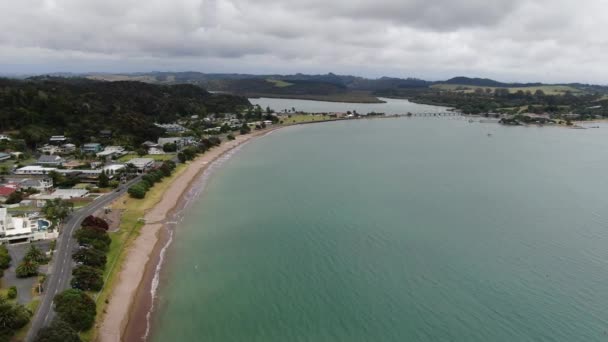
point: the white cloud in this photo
(513, 40)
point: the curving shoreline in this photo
(125, 316)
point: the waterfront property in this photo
(142, 164)
(23, 228)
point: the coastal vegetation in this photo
(58, 331)
(140, 189)
(13, 317)
(75, 308)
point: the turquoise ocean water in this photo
(413, 229)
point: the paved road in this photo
(61, 272)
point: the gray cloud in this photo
(519, 40)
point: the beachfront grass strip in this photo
(302, 118)
(130, 227)
(157, 157)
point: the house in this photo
(142, 164)
(13, 228)
(156, 150)
(73, 164)
(149, 144)
(4, 137)
(52, 160)
(51, 149)
(172, 140)
(39, 183)
(172, 128)
(91, 148)
(34, 170)
(68, 148)
(113, 169)
(6, 191)
(112, 151)
(58, 140)
(4, 156)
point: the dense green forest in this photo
(80, 108)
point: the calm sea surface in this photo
(419, 229)
(391, 106)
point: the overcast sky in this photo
(510, 40)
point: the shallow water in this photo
(413, 229)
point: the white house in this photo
(155, 150)
(142, 164)
(15, 227)
(5, 137)
(110, 151)
(34, 170)
(50, 160)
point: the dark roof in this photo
(49, 159)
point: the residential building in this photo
(52, 160)
(142, 164)
(34, 170)
(111, 151)
(12, 228)
(39, 183)
(58, 140)
(51, 149)
(113, 169)
(6, 191)
(5, 137)
(68, 148)
(4, 156)
(155, 150)
(149, 144)
(91, 148)
(172, 128)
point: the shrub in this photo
(5, 257)
(27, 269)
(58, 331)
(137, 191)
(230, 137)
(76, 308)
(86, 278)
(12, 292)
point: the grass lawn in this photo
(11, 162)
(279, 83)
(300, 118)
(130, 226)
(157, 157)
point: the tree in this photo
(5, 258)
(103, 180)
(27, 269)
(90, 257)
(57, 209)
(94, 221)
(87, 278)
(230, 137)
(34, 254)
(141, 152)
(12, 318)
(245, 129)
(14, 198)
(93, 237)
(12, 292)
(58, 331)
(182, 157)
(170, 147)
(76, 308)
(137, 191)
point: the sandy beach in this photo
(136, 273)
